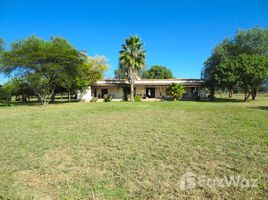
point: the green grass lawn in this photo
(122, 150)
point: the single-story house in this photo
(146, 88)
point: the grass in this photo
(122, 150)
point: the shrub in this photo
(175, 90)
(137, 98)
(5, 96)
(108, 98)
(94, 99)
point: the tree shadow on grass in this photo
(223, 100)
(33, 103)
(261, 108)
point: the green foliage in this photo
(5, 95)
(20, 87)
(90, 71)
(251, 69)
(137, 98)
(231, 63)
(120, 73)
(175, 90)
(2, 43)
(252, 42)
(157, 72)
(108, 98)
(45, 65)
(264, 86)
(132, 60)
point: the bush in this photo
(5, 96)
(175, 90)
(108, 98)
(94, 99)
(137, 98)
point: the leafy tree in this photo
(132, 60)
(90, 71)
(226, 76)
(252, 42)
(175, 90)
(20, 87)
(264, 86)
(45, 64)
(2, 43)
(223, 68)
(120, 73)
(157, 72)
(252, 70)
(5, 95)
(215, 75)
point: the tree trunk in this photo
(45, 100)
(24, 98)
(132, 92)
(69, 96)
(230, 93)
(52, 99)
(39, 99)
(61, 97)
(246, 96)
(254, 94)
(212, 93)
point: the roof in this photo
(150, 82)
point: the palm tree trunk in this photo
(132, 92)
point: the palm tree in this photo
(132, 60)
(175, 90)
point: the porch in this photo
(146, 92)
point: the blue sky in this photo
(177, 34)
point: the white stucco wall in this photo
(117, 92)
(85, 96)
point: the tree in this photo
(5, 95)
(45, 65)
(252, 70)
(175, 90)
(91, 71)
(226, 76)
(120, 73)
(264, 86)
(20, 87)
(223, 68)
(157, 72)
(252, 42)
(2, 43)
(132, 60)
(214, 73)
(1, 52)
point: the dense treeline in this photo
(46, 68)
(238, 63)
